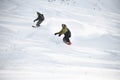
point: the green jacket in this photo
(62, 31)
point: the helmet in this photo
(38, 13)
(63, 25)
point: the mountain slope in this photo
(28, 53)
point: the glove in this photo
(55, 33)
(34, 21)
(59, 35)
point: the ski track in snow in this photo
(28, 53)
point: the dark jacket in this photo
(40, 17)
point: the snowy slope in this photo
(28, 53)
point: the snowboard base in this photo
(35, 26)
(68, 43)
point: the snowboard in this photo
(35, 26)
(68, 43)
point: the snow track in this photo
(28, 53)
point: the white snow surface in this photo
(28, 53)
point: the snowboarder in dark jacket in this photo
(40, 19)
(66, 32)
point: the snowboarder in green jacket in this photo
(66, 32)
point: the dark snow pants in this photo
(67, 36)
(38, 23)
